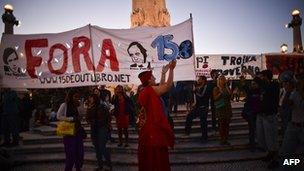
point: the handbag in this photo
(65, 128)
(219, 103)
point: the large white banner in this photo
(229, 65)
(92, 55)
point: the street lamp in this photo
(296, 23)
(295, 12)
(284, 48)
(9, 19)
(8, 7)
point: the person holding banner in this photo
(221, 96)
(73, 144)
(155, 134)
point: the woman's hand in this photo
(172, 64)
(165, 68)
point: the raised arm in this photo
(163, 73)
(163, 88)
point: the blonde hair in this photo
(218, 80)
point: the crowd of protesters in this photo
(265, 100)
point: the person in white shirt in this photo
(73, 145)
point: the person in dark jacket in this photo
(98, 117)
(123, 107)
(202, 96)
(267, 126)
(26, 108)
(10, 117)
(252, 108)
(214, 75)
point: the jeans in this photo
(251, 118)
(202, 114)
(267, 131)
(99, 135)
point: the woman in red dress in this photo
(122, 109)
(156, 134)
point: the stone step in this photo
(131, 159)
(177, 122)
(177, 129)
(41, 139)
(196, 121)
(233, 166)
(180, 147)
(194, 128)
(178, 119)
(184, 115)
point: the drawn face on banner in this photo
(10, 59)
(137, 53)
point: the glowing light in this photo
(9, 7)
(21, 54)
(39, 52)
(99, 45)
(16, 47)
(68, 45)
(286, 25)
(295, 12)
(56, 60)
(80, 45)
(284, 48)
(107, 52)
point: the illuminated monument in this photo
(149, 13)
